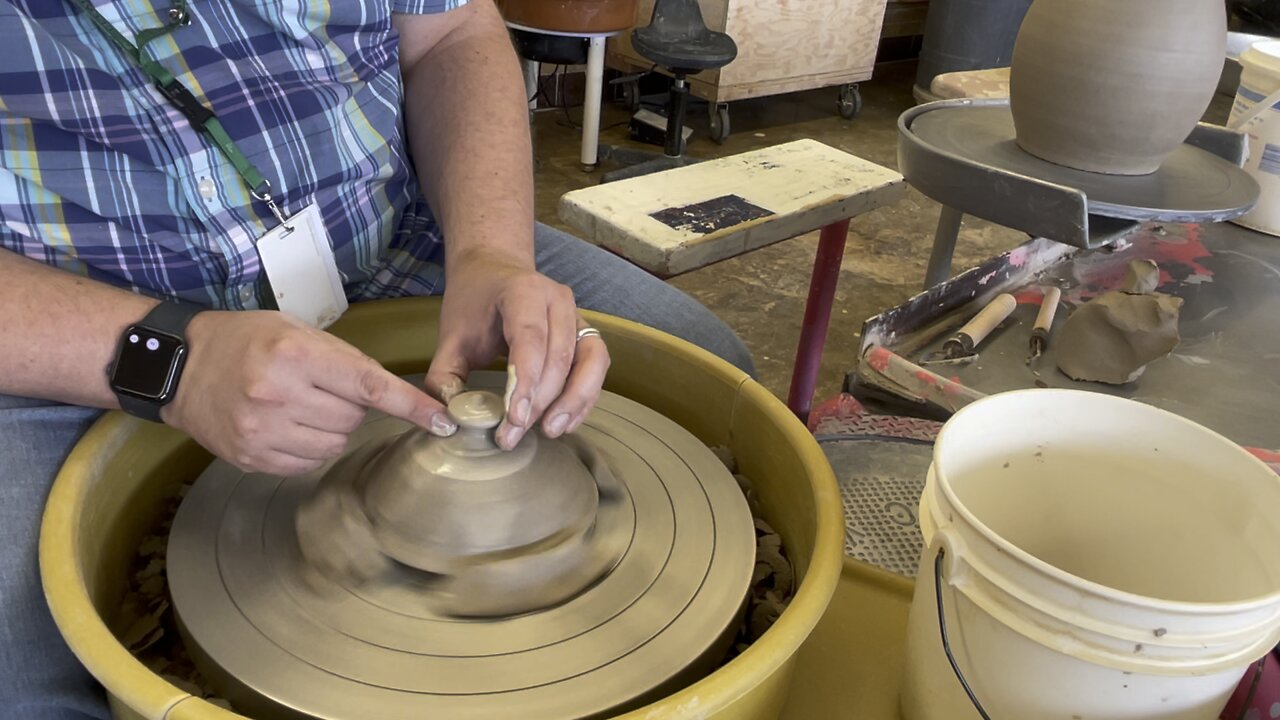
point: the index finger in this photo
(361, 380)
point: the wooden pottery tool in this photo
(1044, 322)
(961, 347)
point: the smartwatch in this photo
(149, 359)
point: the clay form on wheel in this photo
(506, 532)
(1114, 86)
(1112, 338)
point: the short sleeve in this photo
(425, 7)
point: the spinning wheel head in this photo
(632, 578)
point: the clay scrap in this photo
(1112, 338)
(1142, 277)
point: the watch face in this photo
(147, 363)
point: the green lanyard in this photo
(201, 117)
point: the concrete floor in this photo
(761, 295)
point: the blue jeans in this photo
(39, 677)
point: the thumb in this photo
(448, 373)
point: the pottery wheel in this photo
(1191, 186)
(278, 645)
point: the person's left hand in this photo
(491, 301)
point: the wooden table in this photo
(683, 219)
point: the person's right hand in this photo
(268, 393)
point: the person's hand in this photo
(491, 301)
(268, 393)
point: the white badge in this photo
(299, 263)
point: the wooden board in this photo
(683, 219)
(783, 45)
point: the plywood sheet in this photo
(801, 38)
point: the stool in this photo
(677, 38)
(683, 219)
(993, 83)
(591, 109)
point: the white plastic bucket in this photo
(1257, 112)
(1101, 559)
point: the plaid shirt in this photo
(101, 176)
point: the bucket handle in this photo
(973, 698)
(1253, 687)
(946, 641)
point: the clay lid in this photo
(444, 504)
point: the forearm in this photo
(468, 131)
(60, 332)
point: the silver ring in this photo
(587, 332)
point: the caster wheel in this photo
(850, 102)
(631, 95)
(720, 123)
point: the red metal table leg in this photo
(817, 315)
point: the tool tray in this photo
(1224, 374)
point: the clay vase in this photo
(1114, 86)
(575, 16)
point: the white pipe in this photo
(591, 106)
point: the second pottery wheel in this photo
(279, 643)
(1192, 185)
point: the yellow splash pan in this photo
(109, 492)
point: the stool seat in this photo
(992, 83)
(679, 220)
(678, 38)
(690, 54)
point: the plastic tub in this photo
(107, 495)
(1257, 111)
(1101, 559)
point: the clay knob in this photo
(477, 414)
(476, 410)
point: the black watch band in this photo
(170, 317)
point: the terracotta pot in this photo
(1114, 86)
(576, 16)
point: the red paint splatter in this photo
(879, 359)
(1186, 251)
(1178, 252)
(1019, 256)
(1266, 456)
(843, 405)
(1029, 296)
(926, 377)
